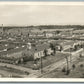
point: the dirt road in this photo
(37, 73)
(53, 66)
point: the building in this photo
(37, 52)
(49, 34)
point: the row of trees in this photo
(78, 46)
(53, 47)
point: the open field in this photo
(46, 60)
(11, 72)
(77, 72)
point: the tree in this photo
(21, 33)
(81, 65)
(75, 47)
(35, 61)
(68, 70)
(58, 31)
(61, 48)
(80, 55)
(64, 69)
(81, 46)
(53, 48)
(73, 66)
(28, 34)
(45, 52)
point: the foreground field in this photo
(77, 72)
(24, 70)
(46, 60)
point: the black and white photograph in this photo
(41, 40)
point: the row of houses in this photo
(28, 54)
(31, 53)
(37, 52)
(46, 34)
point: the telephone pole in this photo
(41, 65)
(68, 69)
(67, 63)
(70, 59)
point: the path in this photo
(53, 66)
(18, 67)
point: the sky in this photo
(41, 14)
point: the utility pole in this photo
(41, 65)
(70, 58)
(80, 39)
(68, 70)
(67, 63)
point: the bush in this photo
(68, 72)
(80, 55)
(35, 61)
(52, 54)
(82, 76)
(73, 66)
(81, 65)
(64, 70)
(27, 72)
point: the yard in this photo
(46, 60)
(77, 72)
(11, 72)
(10, 48)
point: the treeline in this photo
(61, 26)
(9, 27)
(46, 26)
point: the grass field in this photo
(77, 72)
(46, 61)
(11, 72)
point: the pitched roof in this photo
(27, 53)
(35, 49)
(41, 47)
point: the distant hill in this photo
(46, 26)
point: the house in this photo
(49, 34)
(37, 52)
(62, 44)
(32, 34)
